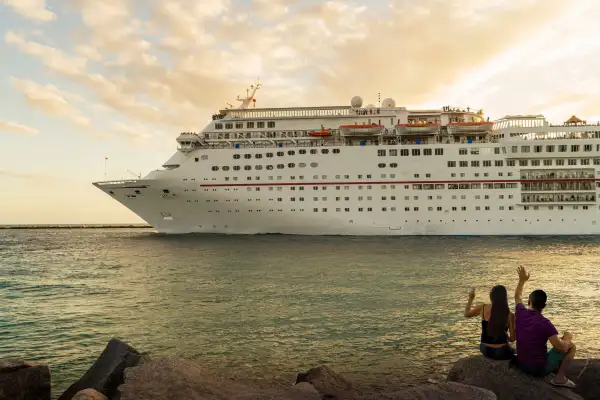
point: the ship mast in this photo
(249, 96)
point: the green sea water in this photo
(376, 309)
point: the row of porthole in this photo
(282, 153)
(260, 167)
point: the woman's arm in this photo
(511, 328)
(470, 310)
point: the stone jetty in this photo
(123, 373)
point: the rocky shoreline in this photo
(123, 373)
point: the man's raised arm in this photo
(523, 277)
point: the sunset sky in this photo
(85, 79)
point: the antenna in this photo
(139, 176)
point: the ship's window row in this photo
(558, 174)
(249, 125)
(551, 148)
(557, 186)
(559, 198)
(259, 167)
(412, 152)
(475, 151)
(248, 156)
(417, 209)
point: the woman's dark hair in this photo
(499, 317)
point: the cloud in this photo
(53, 58)
(31, 9)
(183, 60)
(20, 175)
(14, 127)
(51, 100)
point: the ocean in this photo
(376, 309)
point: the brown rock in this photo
(328, 383)
(20, 380)
(507, 382)
(89, 394)
(441, 391)
(106, 374)
(586, 374)
(178, 379)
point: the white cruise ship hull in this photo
(359, 191)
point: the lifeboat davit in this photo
(321, 133)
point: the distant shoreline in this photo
(77, 226)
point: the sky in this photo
(81, 80)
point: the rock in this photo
(106, 374)
(506, 381)
(20, 380)
(302, 391)
(586, 374)
(178, 379)
(89, 394)
(328, 383)
(440, 391)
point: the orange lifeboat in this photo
(321, 133)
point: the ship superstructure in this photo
(373, 170)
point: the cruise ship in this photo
(373, 170)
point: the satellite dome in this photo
(371, 106)
(356, 102)
(388, 103)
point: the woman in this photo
(496, 322)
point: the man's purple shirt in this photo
(533, 332)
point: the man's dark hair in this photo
(537, 300)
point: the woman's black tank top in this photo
(487, 339)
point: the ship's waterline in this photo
(351, 170)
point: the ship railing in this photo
(122, 182)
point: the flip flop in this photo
(568, 384)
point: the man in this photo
(533, 331)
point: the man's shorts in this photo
(553, 360)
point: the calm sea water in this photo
(372, 308)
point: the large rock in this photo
(441, 391)
(586, 374)
(106, 374)
(328, 383)
(20, 380)
(178, 379)
(506, 381)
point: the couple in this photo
(529, 327)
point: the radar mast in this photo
(250, 92)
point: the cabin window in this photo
(270, 124)
(229, 126)
(260, 124)
(337, 151)
(416, 152)
(250, 125)
(439, 152)
(426, 152)
(381, 153)
(239, 125)
(218, 126)
(574, 147)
